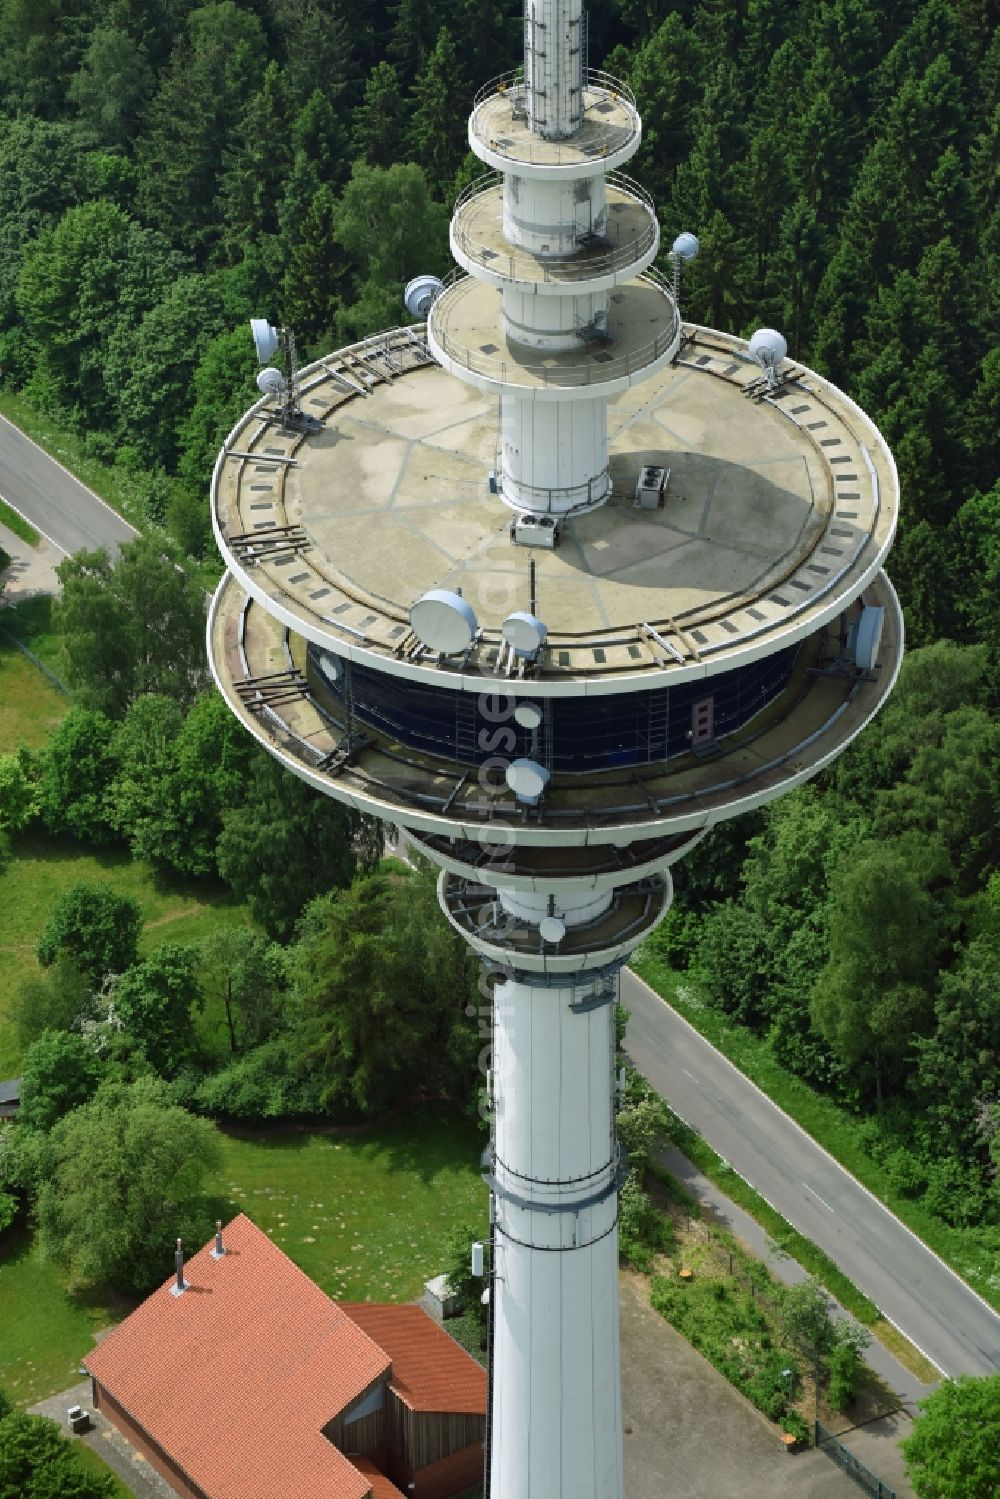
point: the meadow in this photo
(41, 868)
(366, 1213)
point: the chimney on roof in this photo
(180, 1285)
(219, 1250)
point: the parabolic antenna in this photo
(420, 293)
(685, 246)
(525, 632)
(552, 929)
(768, 347)
(527, 779)
(330, 667)
(444, 621)
(266, 339)
(270, 382)
(528, 715)
(868, 636)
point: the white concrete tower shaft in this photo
(556, 1426)
(553, 66)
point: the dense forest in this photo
(169, 169)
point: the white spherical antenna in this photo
(552, 928)
(527, 779)
(685, 246)
(525, 632)
(266, 339)
(768, 347)
(528, 715)
(270, 382)
(444, 621)
(420, 293)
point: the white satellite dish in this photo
(331, 668)
(868, 636)
(552, 928)
(444, 621)
(270, 382)
(420, 293)
(266, 338)
(685, 246)
(528, 715)
(525, 632)
(768, 347)
(527, 779)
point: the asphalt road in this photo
(913, 1288)
(46, 494)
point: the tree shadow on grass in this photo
(421, 1142)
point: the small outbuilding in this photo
(240, 1379)
(10, 1097)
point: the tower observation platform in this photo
(554, 581)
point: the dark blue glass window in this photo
(578, 734)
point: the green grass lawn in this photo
(94, 1463)
(366, 1214)
(41, 868)
(969, 1251)
(15, 521)
(44, 1333)
(30, 706)
(32, 623)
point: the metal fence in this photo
(866, 1480)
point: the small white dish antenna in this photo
(685, 246)
(527, 779)
(444, 621)
(552, 928)
(420, 293)
(768, 348)
(525, 632)
(331, 668)
(868, 636)
(266, 339)
(528, 715)
(270, 382)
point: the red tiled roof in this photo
(235, 1378)
(382, 1487)
(430, 1372)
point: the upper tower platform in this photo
(778, 512)
(502, 132)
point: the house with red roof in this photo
(240, 1379)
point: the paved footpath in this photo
(953, 1326)
(877, 1441)
(107, 1441)
(690, 1435)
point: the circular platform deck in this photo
(776, 513)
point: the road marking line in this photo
(868, 1193)
(34, 526)
(829, 1155)
(689, 1074)
(817, 1196)
(70, 474)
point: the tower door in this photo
(703, 721)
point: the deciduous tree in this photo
(94, 926)
(952, 1451)
(132, 625)
(123, 1179)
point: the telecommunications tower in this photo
(553, 583)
